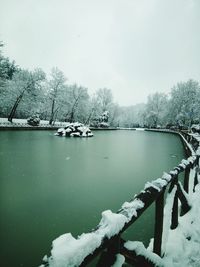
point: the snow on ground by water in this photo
(139, 129)
(181, 246)
(183, 243)
(23, 122)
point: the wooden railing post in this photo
(197, 172)
(173, 183)
(195, 179)
(186, 179)
(158, 230)
(174, 217)
(185, 207)
(108, 256)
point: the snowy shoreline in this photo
(21, 124)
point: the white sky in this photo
(133, 47)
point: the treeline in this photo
(24, 93)
(180, 108)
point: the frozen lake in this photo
(51, 185)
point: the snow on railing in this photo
(68, 251)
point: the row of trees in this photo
(24, 93)
(180, 108)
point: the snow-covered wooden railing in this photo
(105, 239)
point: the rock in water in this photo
(75, 130)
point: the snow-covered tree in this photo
(55, 87)
(114, 113)
(23, 83)
(105, 99)
(93, 109)
(104, 105)
(155, 109)
(184, 103)
(7, 70)
(131, 116)
(78, 103)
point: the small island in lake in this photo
(75, 130)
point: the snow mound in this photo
(75, 130)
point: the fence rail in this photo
(153, 193)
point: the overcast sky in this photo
(133, 47)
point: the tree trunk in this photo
(89, 117)
(55, 116)
(73, 111)
(71, 117)
(52, 112)
(14, 108)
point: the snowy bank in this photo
(182, 247)
(22, 123)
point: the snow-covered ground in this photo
(139, 129)
(23, 123)
(183, 243)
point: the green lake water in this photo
(51, 185)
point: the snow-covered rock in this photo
(75, 130)
(195, 128)
(33, 120)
